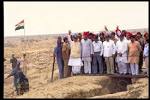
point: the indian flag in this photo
(20, 25)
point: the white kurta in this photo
(75, 56)
(108, 48)
(128, 66)
(122, 47)
(76, 64)
(86, 49)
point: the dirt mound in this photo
(73, 87)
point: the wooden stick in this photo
(52, 70)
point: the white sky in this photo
(59, 17)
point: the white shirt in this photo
(98, 47)
(146, 50)
(108, 48)
(122, 47)
(86, 49)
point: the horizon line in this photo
(62, 33)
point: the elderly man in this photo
(121, 48)
(75, 55)
(86, 53)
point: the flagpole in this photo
(24, 39)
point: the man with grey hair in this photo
(86, 52)
(122, 48)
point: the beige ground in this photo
(39, 54)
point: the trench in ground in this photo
(114, 85)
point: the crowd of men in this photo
(88, 53)
(102, 53)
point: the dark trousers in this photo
(97, 64)
(60, 68)
(104, 65)
(141, 62)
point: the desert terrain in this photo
(39, 50)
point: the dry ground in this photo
(39, 54)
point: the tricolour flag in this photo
(20, 25)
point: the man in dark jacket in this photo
(13, 60)
(20, 81)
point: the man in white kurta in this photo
(108, 53)
(121, 48)
(75, 56)
(86, 52)
(127, 39)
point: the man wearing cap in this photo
(121, 48)
(75, 54)
(86, 52)
(108, 53)
(134, 50)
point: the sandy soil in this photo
(39, 54)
